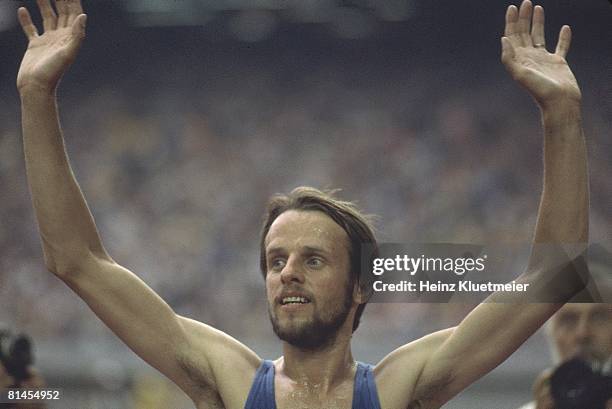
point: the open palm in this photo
(50, 54)
(547, 76)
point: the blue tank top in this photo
(261, 395)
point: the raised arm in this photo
(493, 331)
(182, 349)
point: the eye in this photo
(277, 264)
(314, 262)
(601, 316)
(567, 320)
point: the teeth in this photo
(290, 300)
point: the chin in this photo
(308, 333)
(295, 331)
(306, 339)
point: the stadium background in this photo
(183, 117)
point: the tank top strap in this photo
(261, 395)
(365, 395)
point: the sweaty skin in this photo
(312, 261)
(311, 248)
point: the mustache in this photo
(586, 350)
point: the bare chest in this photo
(311, 396)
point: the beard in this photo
(315, 332)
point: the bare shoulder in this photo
(216, 362)
(398, 375)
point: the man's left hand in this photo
(546, 76)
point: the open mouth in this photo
(294, 300)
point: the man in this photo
(580, 330)
(575, 331)
(308, 244)
(35, 381)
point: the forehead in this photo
(584, 308)
(306, 228)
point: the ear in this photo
(360, 295)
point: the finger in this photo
(78, 34)
(565, 39)
(26, 23)
(511, 29)
(507, 55)
(62, 13)
(537, 27)
(48, 15)
(524, 22)
(74, 10)
(78, 27)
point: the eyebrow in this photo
(312, 249)
(601, 309)
(306, 249)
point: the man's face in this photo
(307, 280)
(583, 330)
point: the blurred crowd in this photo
(178, 159)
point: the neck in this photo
(325, 367)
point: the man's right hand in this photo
(541, 391)
(198, 358)
(49, 55)
(6, 381)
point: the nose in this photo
(292, 272)
(583, 329)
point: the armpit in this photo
(431, 394)
(415, 404)
(196, 373)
